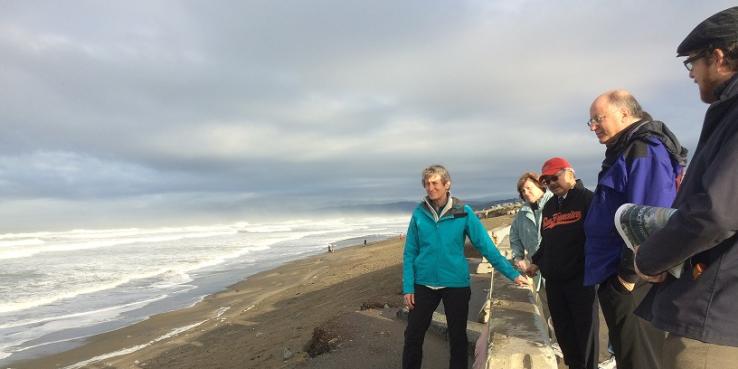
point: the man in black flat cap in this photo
(699, 309)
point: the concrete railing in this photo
(517, 330)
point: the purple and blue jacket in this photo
(643, 165)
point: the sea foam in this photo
(74, 281)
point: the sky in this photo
(150, 113)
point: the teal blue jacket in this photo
(434, 249)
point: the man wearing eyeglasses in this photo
(699, 310)
(643, 161)
(560, 259)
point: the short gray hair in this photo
(433, 170)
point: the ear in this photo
(718, 57)
(447, 186)
(623, 113)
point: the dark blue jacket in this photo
(703, 231)
(640, 167)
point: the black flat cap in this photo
(720, 29)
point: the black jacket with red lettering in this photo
(561, 254)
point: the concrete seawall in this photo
(517, 332)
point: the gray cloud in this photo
(170, 109)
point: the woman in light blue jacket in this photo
(435, 269)
(525, 231)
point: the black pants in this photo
(573, 309)
(456, 306)
(636, 342)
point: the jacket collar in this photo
(530, 208)
(717, 110)
(643, 130)
(578, 186)
(728, 89)
(452, 207)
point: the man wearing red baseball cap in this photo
(560, 259)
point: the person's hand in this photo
(648, 278)
(532, 270)
(522, 281)
(627, 285)
(410, 300)
(522, 265)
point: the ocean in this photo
(57, 288)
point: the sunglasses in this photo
(548, 179)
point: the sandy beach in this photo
(268, 319)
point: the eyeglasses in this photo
(689, 62)
(595, 120)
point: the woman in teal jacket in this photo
(435, 269)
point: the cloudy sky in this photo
(172, 112)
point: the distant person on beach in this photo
(525, 231)
(699, 310)
(560, 259)
(435, 269)
(643, 163)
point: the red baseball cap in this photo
(554, 165)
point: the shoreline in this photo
(257, 294)
(264, 321)
(110, 317)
